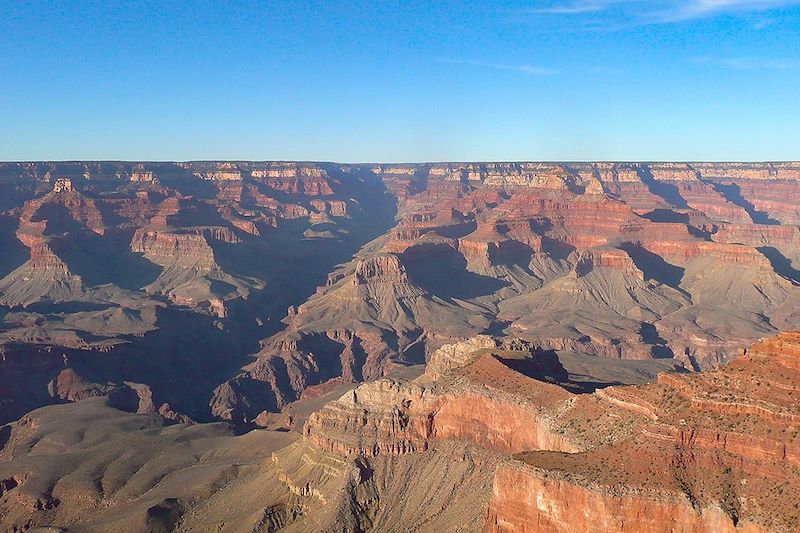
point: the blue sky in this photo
(401, 81)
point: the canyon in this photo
(309, 346)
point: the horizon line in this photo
(430, 162)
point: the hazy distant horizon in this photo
(437, 162)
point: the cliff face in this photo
(382, 417)
(499, 436)
(471, 394)
(523, 501)
(716, 451)
(380, 269)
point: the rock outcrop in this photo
(385, 268)
(716, 451)
(475, 396)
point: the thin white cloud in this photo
(525, 69)
(575, 8)
(694, 9)
(748, 63)
(661, 11)
(710, 6)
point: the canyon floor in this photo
(261, 346)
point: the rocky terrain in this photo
(497, 435)
(171, 281)
(661, 261)
(519, 328)
(718, 451)
(160, 279)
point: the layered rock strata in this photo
(621, 260)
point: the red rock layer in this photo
(716, 451)
(489, 405)
(525, 501)
(385, 268)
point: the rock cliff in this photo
(498, 435)
(716, 451)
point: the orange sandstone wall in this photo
(495, 424)
(523, 502)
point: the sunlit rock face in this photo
(716, 451)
